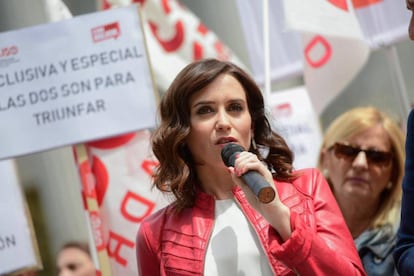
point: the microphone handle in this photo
(264, 192)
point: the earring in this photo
(389, 185)
(325, 173)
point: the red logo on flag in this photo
(97, 229)
(357, 3)
(106, 32)
(282, 110)
(9, 51)
(318, 52)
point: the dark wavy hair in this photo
(176, 171)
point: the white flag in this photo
(334, 56)
(56, 10)
(383, 22)
(123, 167)
(330, 64)
(334, 48)
(294, 118)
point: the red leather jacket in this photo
(320, 244)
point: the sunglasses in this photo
(374, 157)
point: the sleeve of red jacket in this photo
(146, 252)
(327, 247)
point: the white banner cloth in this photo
(294, 118)
(175, 37)
(330, 64)
(321, 16)
(336, 41)
(122, 167)
(17, 249)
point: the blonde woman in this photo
(362, 157)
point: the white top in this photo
(234, 248)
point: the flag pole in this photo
(400, 89)
(266, 51)
(91, 203)
(398, 82)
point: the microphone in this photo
(260, 187)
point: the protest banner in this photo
(75, 80)
(101, 86)
(294, 118)
(18, 246)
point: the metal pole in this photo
(266, 56)
(398, 82)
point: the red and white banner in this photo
(175, 37)
(330, 64)
(122, 168)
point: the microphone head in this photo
(228, 153)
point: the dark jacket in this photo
(404, 252)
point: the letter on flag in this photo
(123, 167)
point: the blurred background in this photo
(50, 180)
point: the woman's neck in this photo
(216, 182)
(358, 217)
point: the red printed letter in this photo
(140, 202)
(148, 166)
(324, 57)
(357, 3)
(114, 251)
